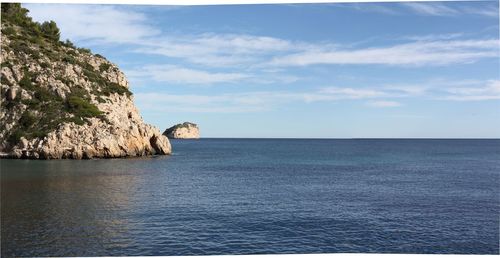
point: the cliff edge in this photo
(59, 101)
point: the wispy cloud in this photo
(434, 9)
(217, 50)
(369, 7)
(404, 90)
(383, 104)
(375, 97)
(336, 93)
(258, 101)
(214, 58)
(416, 54)
(491, 11)
(490, 90)
(254, 52)
(429, 8)
(176, 74)
(249, 101)
(183, 75)
(434, 37)
(100, 23)
(108, 24)
(446, 9)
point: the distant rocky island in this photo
(59, 101)
(185, 130)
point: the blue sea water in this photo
(255, 196)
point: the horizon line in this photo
(349, 138)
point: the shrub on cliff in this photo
(82, 108)
(50, 30)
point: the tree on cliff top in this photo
(16, 14)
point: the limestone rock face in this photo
(185, 130)
(123, 135)
(62, 102)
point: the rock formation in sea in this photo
(60, 101)
(185, 130)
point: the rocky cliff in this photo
(60, 101)
(185, 130)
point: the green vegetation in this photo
(27, 119)
(76, 108)
(71, 53)
(64, 80)
(8, 31)
(21, 47)
(106, 87)
(104, 67)
(101, 56)
(16, 136)
(44, 65)
(46, 110)
(69, 59)
(26, 82)
(4, 80)
(15, 14)
(84, 50)
(45, 38)
(50, 30)
(68, 43)
(6, 64)
(82, 108)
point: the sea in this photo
(259, 196)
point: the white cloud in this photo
(404, 90)
(434, 37)
(257, 52)
(219, 50)
(251, 101)
(100, 23)
(482, 8)
(175, 74)
(428, 8)
(434, 9)
(378, 97)
(266, 60)
(183, 75)
(224, 103)
(491, 11)
(369, 7)
(106, 24)
(350, 93)
(416, 53)
(490, 90)
(383, 104)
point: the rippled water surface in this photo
(237, 196)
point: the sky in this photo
(353, 70)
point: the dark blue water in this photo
(222, 196)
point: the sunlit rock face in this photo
(185, 130)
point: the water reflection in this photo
(55, 204)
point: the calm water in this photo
(222, 196)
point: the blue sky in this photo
(305, 70)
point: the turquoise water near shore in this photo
(252, 196)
